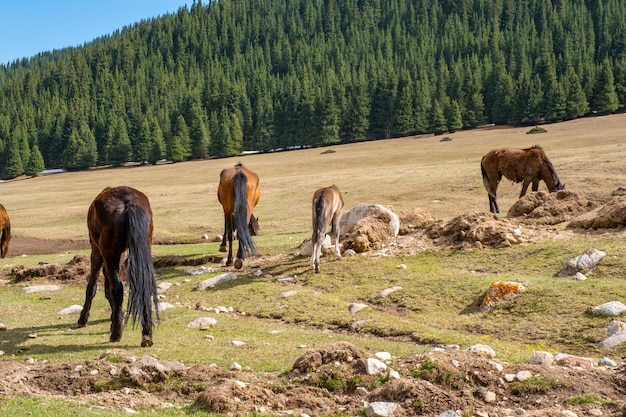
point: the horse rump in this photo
(326, 207)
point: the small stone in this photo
(202, 322)
(509, 377)
(383, 356)
(361, 392)
(3, 327)
(374, 366)
(612, 308)
(288, 294)
(568, 413)
(541, 358)
(238, 343)
(383, 409)
(401, 266)
(523, 375)
(580, 276)
(482, 350)
(519, 411)
(604, 361)
(356, 307)
(489, 397)
(449, 413)
(235, 366)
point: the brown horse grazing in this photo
(120, 219)
(327, 205)
(528, 166)
(238, 192)
(5, 230)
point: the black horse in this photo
(120, 219)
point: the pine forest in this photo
(222, 77)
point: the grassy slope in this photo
(442, 177)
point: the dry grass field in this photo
(48, 364)
(442, 177)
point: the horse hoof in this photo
(238, 264)
(79, 325)
(114, 339)
(146, 341)
(222, 248)
(317, 269)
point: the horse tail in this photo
(486, 178)
(140, 269)
(241, 214)
(319, 220)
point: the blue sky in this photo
(30, 27)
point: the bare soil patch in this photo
(323, 382)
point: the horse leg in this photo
(229, 235)
(535, 185)
(239, 260)
(524, 187)
(114, 290)
(92, 287)
(336, 232)
(223, 244)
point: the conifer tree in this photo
(14, 166)
(35, 163)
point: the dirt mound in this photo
(369, 233)
(77, 268)
(551, 208)
(475, 230)
(327, 381)
(608, 216)
(414, 219)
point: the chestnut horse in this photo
(327, 206)
(120, 219)
(527, 166)
(238, 192)
(5, 230)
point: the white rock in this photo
(349, 219)
(71, 310)
(482, 350)
(212, 282)
(200, 271)
(355, 307)
(523, 375)
(164, 286)
(235, 366)
(40, 288)
(509, 377)
(568, 413)
(580, 276)
(374, 367)
(617, 334)
(382, 409)
(383, 356)
(288, 294)
(393, 374)
(384, 293)
(165, 306)
(495, 365)
(612, 308)
(542, 358)
(238, 343)
(202, 322)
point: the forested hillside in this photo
(219, 78)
